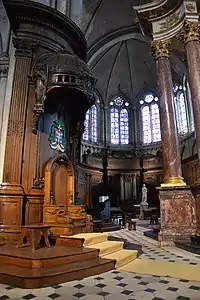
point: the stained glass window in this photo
(188, 100)
(180, 110)
(86, 124)
(124, 128)
(150, 119)
(114, 120)
(91, 125)
(94, 123)
(119, 122)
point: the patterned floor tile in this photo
(117, 285)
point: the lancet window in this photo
(91, 124)
(150, 118)
(119, 121)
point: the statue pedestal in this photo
(196, 192)
(143, 206)
(178, 215)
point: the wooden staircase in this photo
(48, 266)
(70, 258)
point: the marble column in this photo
(170, 144)
(190, 36)
(177, 204)
(11, 190)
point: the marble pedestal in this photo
(196, 192)
(178, 215)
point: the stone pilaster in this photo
(170, 144)
(11, 191)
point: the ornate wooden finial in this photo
(190, 32)
(161, 48)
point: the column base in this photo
(178, 215)
(173, 181)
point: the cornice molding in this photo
(168, 19)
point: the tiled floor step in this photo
(122, 257)
(107, 247)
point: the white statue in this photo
(144, 195)
(143, 203)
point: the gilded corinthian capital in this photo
(161, 48)
(190, 32)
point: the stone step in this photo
(122, 257)
(107, 247)
(91, 238)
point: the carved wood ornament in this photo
(40, 79)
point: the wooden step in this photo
(44, 257)
(38, 278)
(89, 238)
(67, 241)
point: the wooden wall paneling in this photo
(34, 210)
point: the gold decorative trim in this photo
(173, 181)
(161, 48)
(190, 32)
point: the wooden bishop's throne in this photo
(59, 210)
(67, 98)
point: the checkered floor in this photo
(151, 251)
(121, 285)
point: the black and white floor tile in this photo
(150, 249)
(116, 285)
(111, 286)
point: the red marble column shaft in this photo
(193, 59)
(170, 143)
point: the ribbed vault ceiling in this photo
(127, 67)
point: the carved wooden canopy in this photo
(61, 70)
